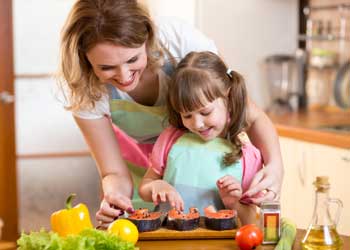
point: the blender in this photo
(285, 80)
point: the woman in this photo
(115, 66)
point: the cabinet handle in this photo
(345, 158)
(6, 97)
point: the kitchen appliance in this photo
(319, 87)
(341, 87)
(285, 78)
(321, 74)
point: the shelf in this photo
(339, 7)
(320, 38)
(327, 67)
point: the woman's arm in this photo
(230, 191)
(247, 214)
(264, 136)
(153, 188)
(116, 180)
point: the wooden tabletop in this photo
(311, 126)
(5, 245)
(215, 244)
(209, 244)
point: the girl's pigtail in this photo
(237, 103)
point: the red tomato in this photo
(249, 237)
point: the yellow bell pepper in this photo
(70, 220)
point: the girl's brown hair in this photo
(122, 22)
(202, 77)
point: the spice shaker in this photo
(270, 216)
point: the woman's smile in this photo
(127, 83)
(118, 65)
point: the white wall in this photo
(184, 9)
(247, 31)
(42, 124)
(37, 25)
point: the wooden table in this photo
(215, 244)
(5, 245)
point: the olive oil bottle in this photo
(322, 233)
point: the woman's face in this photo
(209, 121)
(118, 65)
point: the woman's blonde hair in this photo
(122, 22)
(202, 77)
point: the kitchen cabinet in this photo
(303, 161)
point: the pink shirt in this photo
(251, 157)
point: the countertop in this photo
(314, 126)
(5, 245)
(205, 244)
(228, 244)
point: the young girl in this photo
(201, 159)
(116, 63)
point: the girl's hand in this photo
(163, 192)
(266, 185)
(230, 190)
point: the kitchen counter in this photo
(5, 245)
(205, 244)
(322, 127)
(223, 244)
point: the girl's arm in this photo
(153, 188)
(264, 136)
(116, 180)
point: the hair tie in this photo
(229, 73)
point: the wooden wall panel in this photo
(8, 190)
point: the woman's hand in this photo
(266, 185)
(230, 190)
(164, 192)
(114, 202)
(108, 213)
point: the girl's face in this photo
(118, 65)
(209, 121)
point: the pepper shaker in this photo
(270, 216)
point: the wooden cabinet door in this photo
(303, 162)
(288, 193)
(335, 163)
(297, 190)
(8, 191)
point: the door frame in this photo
(8, 180)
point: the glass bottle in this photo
(322, 233)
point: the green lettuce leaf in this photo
(88, 239)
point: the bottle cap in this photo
(322, 182)
(270, 205)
